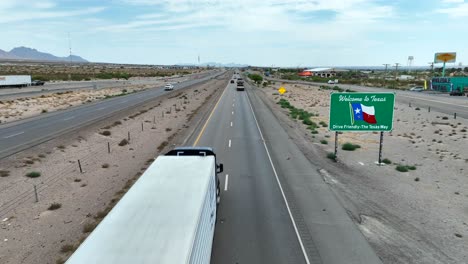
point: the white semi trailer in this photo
(167, 217)
(15, 80)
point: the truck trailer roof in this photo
(156, 220)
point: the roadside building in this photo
(448, 84)
(321, 72)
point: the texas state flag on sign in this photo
(363, 112)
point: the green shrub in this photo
(331, 156)
(350, 146)
(411, 167)
(54, 206)
(314, 132)
(323, 141)
(323, 124)
(106, 133)
(67, 248)
(33, 174)
(401, 168)
(387, 161)
(123, 142)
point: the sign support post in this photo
(336, 144)
(380, 148)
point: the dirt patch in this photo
(12, 110)
(410, 217)
(78, 172)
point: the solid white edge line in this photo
(232, 112)
(231, 123)
(229, 143)
(226, 182)
(68, 118)
(279, 184)
(16, 134)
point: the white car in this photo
(168, 87)
(331, 82)
(417, 89)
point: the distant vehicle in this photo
(232, 81)
(457, 92)
(240, 85)
(417, 89)
(15, 80)
(37, 83)
(168, 216)
(168, 87)
(333, 81)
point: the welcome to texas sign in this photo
(361, 111)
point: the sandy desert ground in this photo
(72, 203)
(419, 216)
(12, 110)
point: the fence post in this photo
(429, 109)
(108, 147)
(35, 193)
(129, 136)
(454, 115)
(79, 165)
(141, 126)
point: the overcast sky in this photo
(268, 32)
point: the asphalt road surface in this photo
(438, 102)
(20, 135)
(7, 93)
(275, 207)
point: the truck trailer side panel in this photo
(165, 217)
(15, 80)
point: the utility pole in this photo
(396, 69)
(386, 67)
(69, 47)
(432, 68)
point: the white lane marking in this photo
(231, 123)
(102, 108)
(281, 187)
(13, 135)
(361, 163)
(226, 182)
(232, 105)
(229, 143)
(232, 112)
(68, 118)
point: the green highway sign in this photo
(361, 111)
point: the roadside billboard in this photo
(442, 57)
(361, 111)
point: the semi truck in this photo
(15, 80)
(167, 217)
(240, 84)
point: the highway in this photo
(7, 93)
(275, 207)
(20, 135)
(442, 103)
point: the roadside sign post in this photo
(361, 112)
(380, 147)
(336, 144)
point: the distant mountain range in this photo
(214, 64)
(24, 53)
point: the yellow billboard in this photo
(445, 57)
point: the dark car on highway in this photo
(37, 83)
(456, 92)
